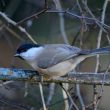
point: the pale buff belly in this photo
(59, 69)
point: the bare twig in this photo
(36, 15)
(26, 89)
(83, 20)
(102, 87)
(51, 93)
(8, 22)
(77, 16)
(80, 97)
(65, 95)
(82, 29)
(90, 12)
(5, 83)
(10, 25)
(46, 4)
(42, 96)
(108, 38)
(62, 22)
(101, 91)
(100, 33)
(98, 46)
(64, 36)
(69, 96)
(75, 37)
(13, 104)
(32, 17)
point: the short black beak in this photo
(16, 55)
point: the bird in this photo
(55, 60)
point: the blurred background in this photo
(63, 21)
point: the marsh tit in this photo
(55, 60)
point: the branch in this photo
(96, 103)
(78, 16)
(12, 27)
(36, 15)
(78, 77)
(32, 16)
(62, 21)
(65, 39)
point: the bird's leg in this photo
(31, 76)
(37, 76)
(41, 78)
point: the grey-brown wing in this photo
(56, 53)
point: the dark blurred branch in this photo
(13, 104)
(36, 15)
(78, 16)
(78, 77)
(46, 4)
(92, 15)
(32, 17)
(62, 21)
(99, 38)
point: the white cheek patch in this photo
(32, 53)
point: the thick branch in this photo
(79, 77)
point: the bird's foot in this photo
(41, 78)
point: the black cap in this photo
(25, 47)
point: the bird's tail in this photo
(99, 51)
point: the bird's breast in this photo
(59, 69)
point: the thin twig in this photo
(42, 96)
(80, 97)
(10, 25)
(51, 93)
(83, 20)
(26, 89)
(77, 16)
(108, 38)
(90, 12)
(31, 17)
(24, 20)
(98, 46)
(36, 15)
(102, 87)
(65, 95)
(64, 36)
(46, 4)
(13, 104)
(82, 29)
(62, 22)
(69, 96)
